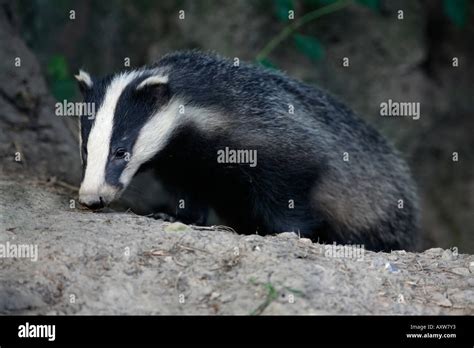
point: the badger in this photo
(194, 119)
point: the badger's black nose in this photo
(94, 205)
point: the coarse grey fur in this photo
(322, 171)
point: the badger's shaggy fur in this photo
(321, 171)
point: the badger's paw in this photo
(163, 216)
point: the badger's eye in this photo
(120, 153)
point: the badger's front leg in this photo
(187, 211)
(197, 218)
(163, 216)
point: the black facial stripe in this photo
(131, 112)
(113, 171)
(134, 108)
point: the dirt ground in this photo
(121, 263)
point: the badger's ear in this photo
(84, 80)
(154, 80)
(156, 86)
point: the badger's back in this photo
(347, 183)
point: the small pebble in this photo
(464, 296)
(214, 295)
(399, 252)
(305, 241)
(391, 268)
(207, 291)
(287, 235)
(441, 300)
(176, 227)
(444, 303)
(252, 238)
(447, 255)
(461, 271)
(227, 298)
(378, 262)
(434, 251)
(471, 266)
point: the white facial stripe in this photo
(153, 80)
(152, 138)
(84, 77)
(208, 120)
(98, 144)
(155, 134)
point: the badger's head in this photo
(134, 117)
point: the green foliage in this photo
(457, 11)
(140, 5)
(272, 293)
(318, 3)
(372, 4)
(309, 46)
(62, 5)
(281, 9)
(61, 83)
(57, 67)
(267, 63)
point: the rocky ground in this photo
(121, 263)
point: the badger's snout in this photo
(99, 198)
(91, 202)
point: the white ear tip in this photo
(84, 77)
(153, 80)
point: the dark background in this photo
(403, 60)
